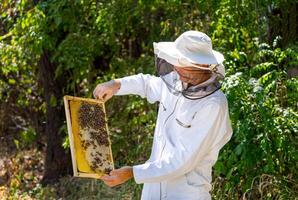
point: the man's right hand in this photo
(104, 91)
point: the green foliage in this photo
(92, 42)
(264, 119)
(28, 136)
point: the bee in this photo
(97, 159)
(87, 144)
(108, 157)
(108, 170)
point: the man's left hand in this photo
(118, 176)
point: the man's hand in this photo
(118, 176)
(105, 91)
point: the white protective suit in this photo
(187, 139)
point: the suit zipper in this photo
(160, 193)
(172, 111)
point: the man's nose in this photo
(185, 79)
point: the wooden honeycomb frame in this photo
(80, 152)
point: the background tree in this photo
(52, 48)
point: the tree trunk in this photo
(283, 22)
(57, 159)
(289, 25)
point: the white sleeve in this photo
(144, 85)
(190, 147)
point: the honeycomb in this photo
(89, 138)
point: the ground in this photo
(21, 169)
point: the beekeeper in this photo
(192, 124)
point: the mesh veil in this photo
(167, 73)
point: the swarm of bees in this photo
(91, 116)
(94, 137)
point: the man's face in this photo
(192, 75)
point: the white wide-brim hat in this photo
(191, 47)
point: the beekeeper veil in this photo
(188, 50)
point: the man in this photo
(192, 124)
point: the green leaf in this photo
(53, 101)
(58, 20)
(11, 81)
